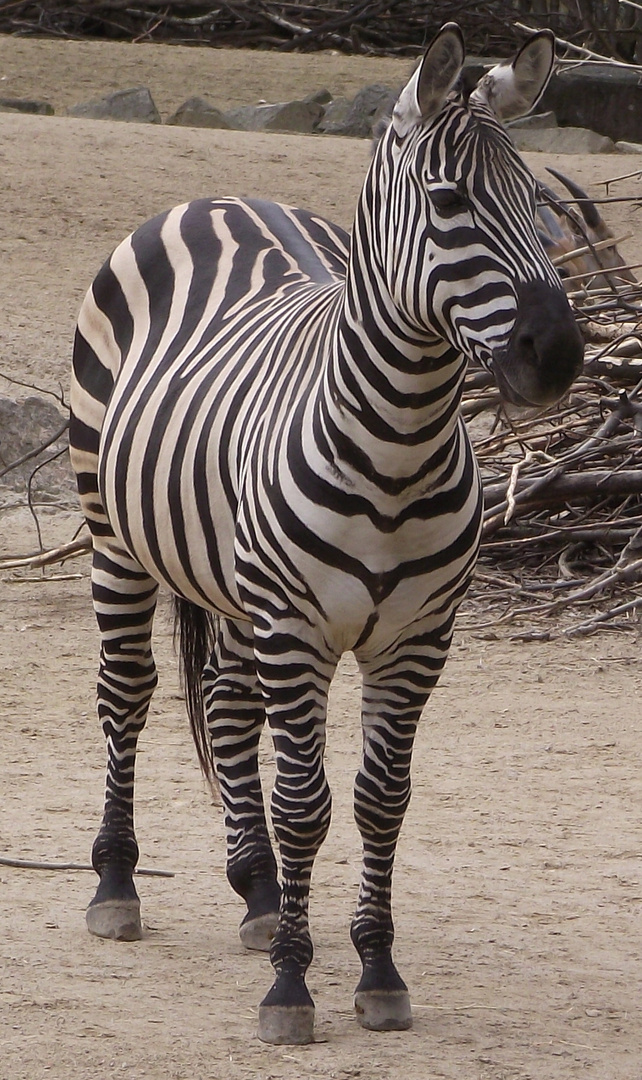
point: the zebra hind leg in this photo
(295, 676)
(124, 601)
(235, 715)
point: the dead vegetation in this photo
(562, 532)
(374, 27)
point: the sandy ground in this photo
(518, 883)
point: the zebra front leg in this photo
(295, 684)
(393, 698)
(124, 602)
(235, 718)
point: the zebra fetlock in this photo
(115, 909)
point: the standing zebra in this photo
(265, 419)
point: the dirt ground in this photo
(518, 887)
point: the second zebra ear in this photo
(424, 95)
(512, 89)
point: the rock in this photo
(320, 97)
(136, 105)
(562, 140)
(297, 116)
(367, 107)
(534, 122)
(334, 116)
(602, 97)
(23, 105)
(628, 147)
(197, 112)
(24, 426)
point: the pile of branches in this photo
(562, 532)
(375, 27)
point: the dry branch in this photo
(48, 558)
(380, 27)
(562, 532)
(36, 864)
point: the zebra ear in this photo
(435, 77)
(513, 89)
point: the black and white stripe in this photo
(265, 420)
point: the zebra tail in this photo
(194, 636)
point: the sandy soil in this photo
(518, 881)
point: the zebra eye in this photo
(448, 201)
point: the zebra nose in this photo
(545, 351)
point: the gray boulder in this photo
(136, 105)
(320, 97)
(562, 140)
(197, 112)
(602, 97)
(625, 147)
(334, 116)
(24, 427)
(367, 107)
(295, 116)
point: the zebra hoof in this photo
(286, 1025)
(383, 1010)
(257, 933)
(118, 920)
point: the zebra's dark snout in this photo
(545, 351)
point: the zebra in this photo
(265, 421)
(564, 230)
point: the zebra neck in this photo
(389, 403)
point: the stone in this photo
(300, 117)
(197, 112)
(320, 97)
(561, 140)
(23, 105)
(134, 106)
(24, 426)
(602, 97)
(364, 111)
(334, 116)
(628, 147)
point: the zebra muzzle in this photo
(545, 351)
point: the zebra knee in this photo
(301, 815)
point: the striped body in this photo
(197, 441)
(265, 419)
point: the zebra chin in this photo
(545, 351)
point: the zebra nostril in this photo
(526, 349)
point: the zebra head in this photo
(453, 222)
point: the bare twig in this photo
(35, 864)
(47, 558)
